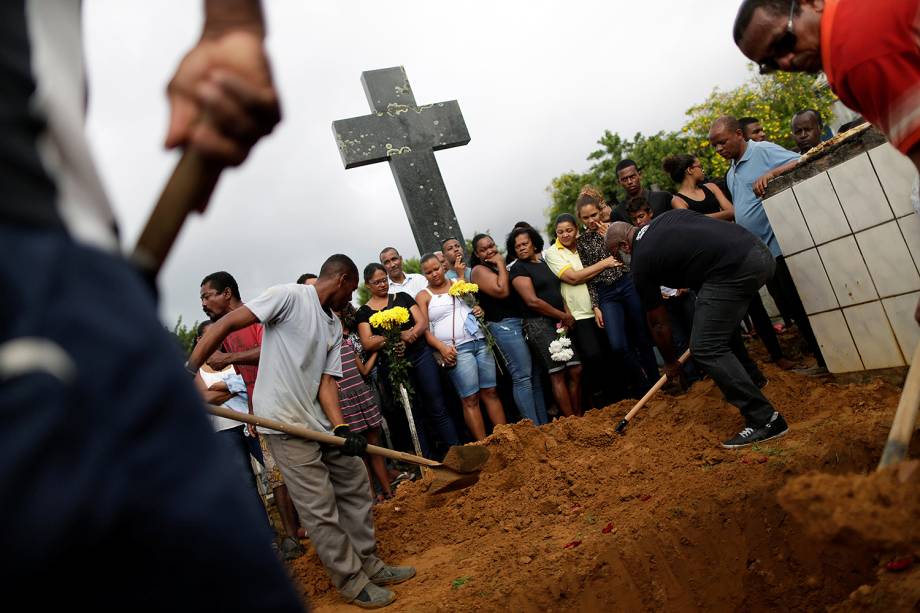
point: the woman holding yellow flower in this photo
(456, 334)
(423, 374)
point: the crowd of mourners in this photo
(475, 365)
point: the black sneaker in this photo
(775, 428)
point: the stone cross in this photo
(407, 135)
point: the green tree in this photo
(774, 99)
(185, 335)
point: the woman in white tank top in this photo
(455, 334)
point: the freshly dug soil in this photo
(574, 517)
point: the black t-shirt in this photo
(545, 284)
(399, 299)
(684, 249)
(497, 309)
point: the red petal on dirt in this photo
(645, 498)
(762, 460)
(608, 528)
(900, 564)
(571, 545)
(745, 460)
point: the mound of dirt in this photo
(573, 517)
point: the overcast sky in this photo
(537, 82)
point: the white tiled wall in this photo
(860, 193)
(852, 244)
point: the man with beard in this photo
(220, 295)
(301, 362)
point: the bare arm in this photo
(761, 184)
(369, 340)
(495, 284)
(216, 333)
(661, 333)
(524, 287)
(421, 323)
(212, 396)
(578, 277)
(678, 203)
(365, 368)
(328, 397)
(726, 208)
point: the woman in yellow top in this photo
(562, 258)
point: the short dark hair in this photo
(451, 238)
(385, 249)
(816, 113)
(220, 281)
(746, 13)
(534, 236)
(304, 277)
(338, 264)
(371, 268)
(623, 164)
(637, 203)
(746, 121)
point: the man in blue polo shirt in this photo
(753, 165)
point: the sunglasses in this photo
(783, 45)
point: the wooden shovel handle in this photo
(313, 435)
(654, 390)
(902, 428)
(188, 189)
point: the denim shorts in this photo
(475, 369)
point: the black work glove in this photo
(355, 444)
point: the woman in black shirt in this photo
(544, 310)
(424, 376)
(501, 307)
(693, 191)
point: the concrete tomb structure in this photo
(852, 243)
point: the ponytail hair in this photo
(676, 166)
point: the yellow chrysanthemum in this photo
(390, 318)
(461, 288)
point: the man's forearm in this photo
(328, 397)
(225, 15)
(661, 333)
(248, 357)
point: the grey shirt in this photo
(300, 343)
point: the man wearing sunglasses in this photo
(870, 52)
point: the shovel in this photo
(459, 469)
(621, 427)
(902, 427)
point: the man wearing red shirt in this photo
(220, 294)
(870, 52)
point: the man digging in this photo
(299, 364)
(726, 265)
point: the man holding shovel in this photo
(726, 265)
(298, 368)
(115, 491)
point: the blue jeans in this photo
(620, 302)
(475, 369)
(427, 385)
(509, 336)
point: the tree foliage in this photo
(774, 99)
(185, 335)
